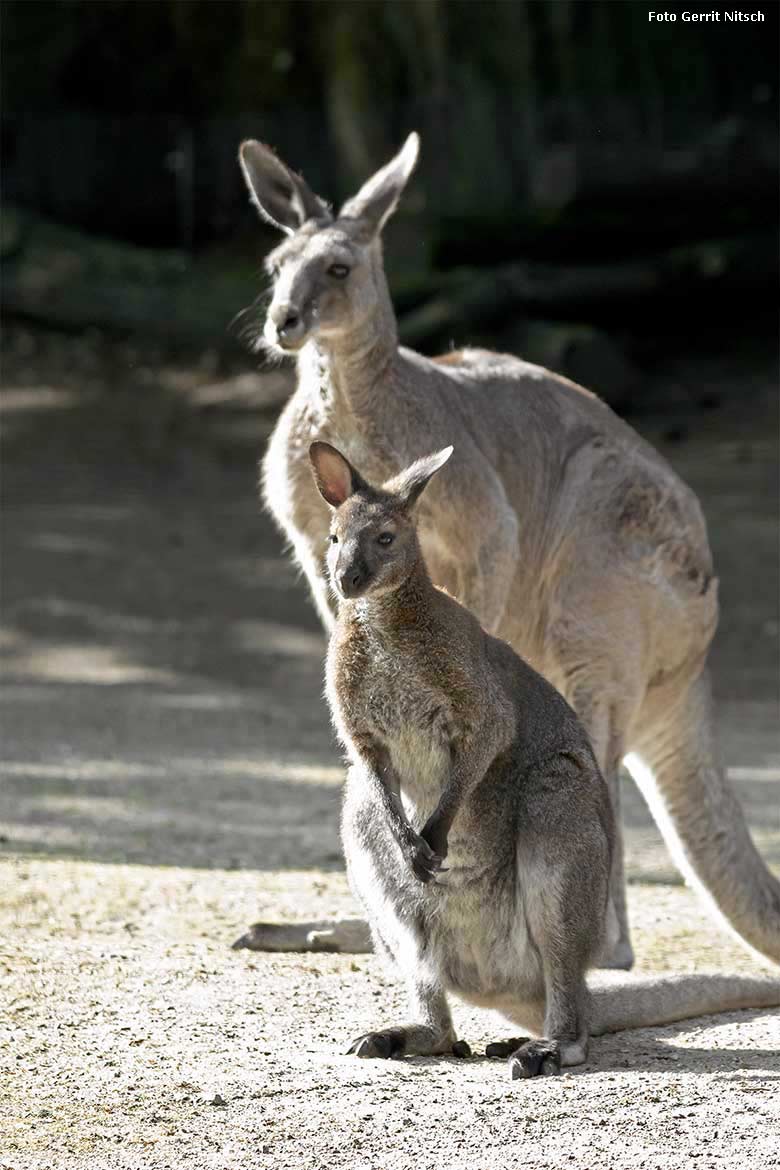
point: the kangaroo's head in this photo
(373, 539)
(325, 273)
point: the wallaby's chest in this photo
(403, 709)
(399, 702)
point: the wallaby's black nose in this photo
(351, 582)
(288, 324)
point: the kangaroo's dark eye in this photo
(385, 538)
(340, 271)
(333, 538)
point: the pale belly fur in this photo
(475, 926)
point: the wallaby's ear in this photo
(410, 483)
(334, 475)
(283, 199)
(376, 200)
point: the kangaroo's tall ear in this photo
(334, 475)
(283, 199)
(410, 483)
(377, 199)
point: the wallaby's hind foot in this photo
(411, 1040)
(535, 1058)
(530, 1057)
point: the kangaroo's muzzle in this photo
(286, 326)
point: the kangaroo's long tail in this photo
(621, 1001)
(345, 936)
(703, 824)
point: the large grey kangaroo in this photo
(562, 530)
(460, 751)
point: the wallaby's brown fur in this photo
(461, 753)
(558, 527)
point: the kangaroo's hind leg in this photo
(606, 734)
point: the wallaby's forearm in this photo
(467, 768)
(379, 771)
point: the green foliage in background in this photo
(365, 63)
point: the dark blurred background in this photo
(579, 164)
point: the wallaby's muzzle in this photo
(352, 581)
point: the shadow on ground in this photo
(162, 696)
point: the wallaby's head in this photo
(324, 274)
(373, 540)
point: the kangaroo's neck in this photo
(344, 370)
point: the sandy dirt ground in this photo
(169, 776)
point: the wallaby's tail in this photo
(625, 1001)
(703, 823)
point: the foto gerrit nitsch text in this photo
(687, 17)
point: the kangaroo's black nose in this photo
(289, 324)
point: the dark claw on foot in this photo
(461, 1049)
(376, 1045)
(535, 1058)
(501, 1049)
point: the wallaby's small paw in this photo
(461, 1049)
(425, 870)
(434, 835)
(535, 1058)
(377, 1045)
(426, 864)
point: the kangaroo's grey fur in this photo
(558, 526)
(461, 751)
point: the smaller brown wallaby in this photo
(460, 751)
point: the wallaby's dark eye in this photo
(340, 271)
(333, 538)
(385, 538)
